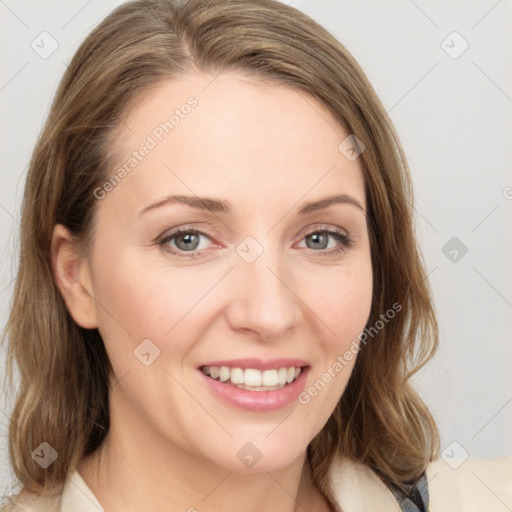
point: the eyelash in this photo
(344, 240)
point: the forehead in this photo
(235, 136)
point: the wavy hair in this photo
(63, 388)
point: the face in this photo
(261, 284)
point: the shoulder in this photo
(456, 486)
(73, 496)
(470, 484)
(27, 501)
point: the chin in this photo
(253, 454)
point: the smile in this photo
(256, 385)
(253, 379)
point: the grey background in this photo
(453, 114)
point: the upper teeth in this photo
(253, 377)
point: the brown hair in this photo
(64, 370)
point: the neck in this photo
(137, 469)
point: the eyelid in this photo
(325, 227)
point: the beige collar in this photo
(358, 489)
(77, 497)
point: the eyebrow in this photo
(223, 206)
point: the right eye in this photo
(182, 241)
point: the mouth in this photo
(256, 385)
(254, 379)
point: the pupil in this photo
(187, 238)
(315, 238)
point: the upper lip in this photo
(257, 364)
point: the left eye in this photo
(320, 240)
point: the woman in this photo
(220, 300)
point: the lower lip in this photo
(258, 401)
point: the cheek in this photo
(343, 301)
(131, 307)
(137, 301)
(134, 296)
(343, 304)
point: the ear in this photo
(72, 275)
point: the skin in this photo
(267, 149)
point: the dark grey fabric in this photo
(417, 501)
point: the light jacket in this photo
(475, 485)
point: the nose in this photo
(264, 300)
